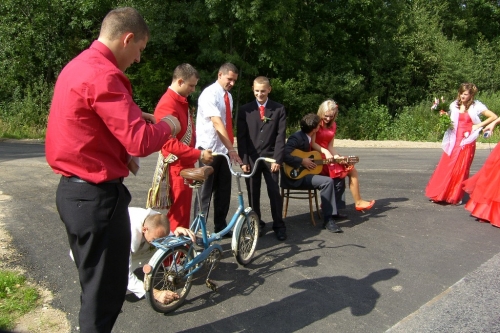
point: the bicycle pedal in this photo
(210, 284)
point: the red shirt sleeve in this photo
(113, 102)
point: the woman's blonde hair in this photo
(471, 87)
(328, 105)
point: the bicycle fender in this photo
(152, 262)
(237, 228)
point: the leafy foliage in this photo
(375, 53)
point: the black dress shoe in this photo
(280, 234)
(332, 227)
(340, 216)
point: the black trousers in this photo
(218, 184)
(273, 191)
(98, 227)
(339, 184)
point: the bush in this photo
(370, 121)
(418, 123)
(25, 115)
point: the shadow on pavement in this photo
(317, 299)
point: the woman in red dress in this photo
(484, 187)
(323, 140)
(459, 145)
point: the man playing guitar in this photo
(301, 140)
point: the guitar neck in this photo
(325, 161)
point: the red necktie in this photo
(229, 120)
(262, 110)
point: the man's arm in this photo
(134, 284)
(128, 126)
(224, 137)
(279, 146)
(292, 144)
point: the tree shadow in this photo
(243, 281)
(317, 299)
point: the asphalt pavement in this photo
(407, 265)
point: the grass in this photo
(16, 298)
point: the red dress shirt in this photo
(94, 124)
(171, 103)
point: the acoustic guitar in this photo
(297, 173)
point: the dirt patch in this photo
(44, 318)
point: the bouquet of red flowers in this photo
(444, 123)
(440, 105)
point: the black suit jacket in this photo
(261, 139)
(298, 140)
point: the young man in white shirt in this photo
(214, 131)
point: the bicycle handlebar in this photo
(241, 174)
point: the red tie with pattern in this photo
(229, 120)
(262, 110)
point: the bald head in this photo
(157, 221)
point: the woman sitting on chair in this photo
(322, 141)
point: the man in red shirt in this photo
(94, 127)
(174, 102)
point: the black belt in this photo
(75, 179)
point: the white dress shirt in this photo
(140, 250)
(211, 104)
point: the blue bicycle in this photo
(176, 259)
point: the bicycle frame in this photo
(199, 222)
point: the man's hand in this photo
(275, 167)
(175, 126)
(186, 232)
(149, 118)
(235, 158)
(206, 156)
(164, 296)
(308, 163)
(245, 168)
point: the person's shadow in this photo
(320, 298)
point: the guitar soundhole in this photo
(294, 173)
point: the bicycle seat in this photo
(197, 174)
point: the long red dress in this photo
(484, 190)
(445, 184)
(323, 137)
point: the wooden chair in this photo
(287, 194)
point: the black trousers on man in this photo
(273, 191)
(98, 227)
(219, 184)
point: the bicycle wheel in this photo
(168, 274)
(247, 234)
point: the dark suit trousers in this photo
(273, 191)
(326, 187)
(218, 184)
(98, 227)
